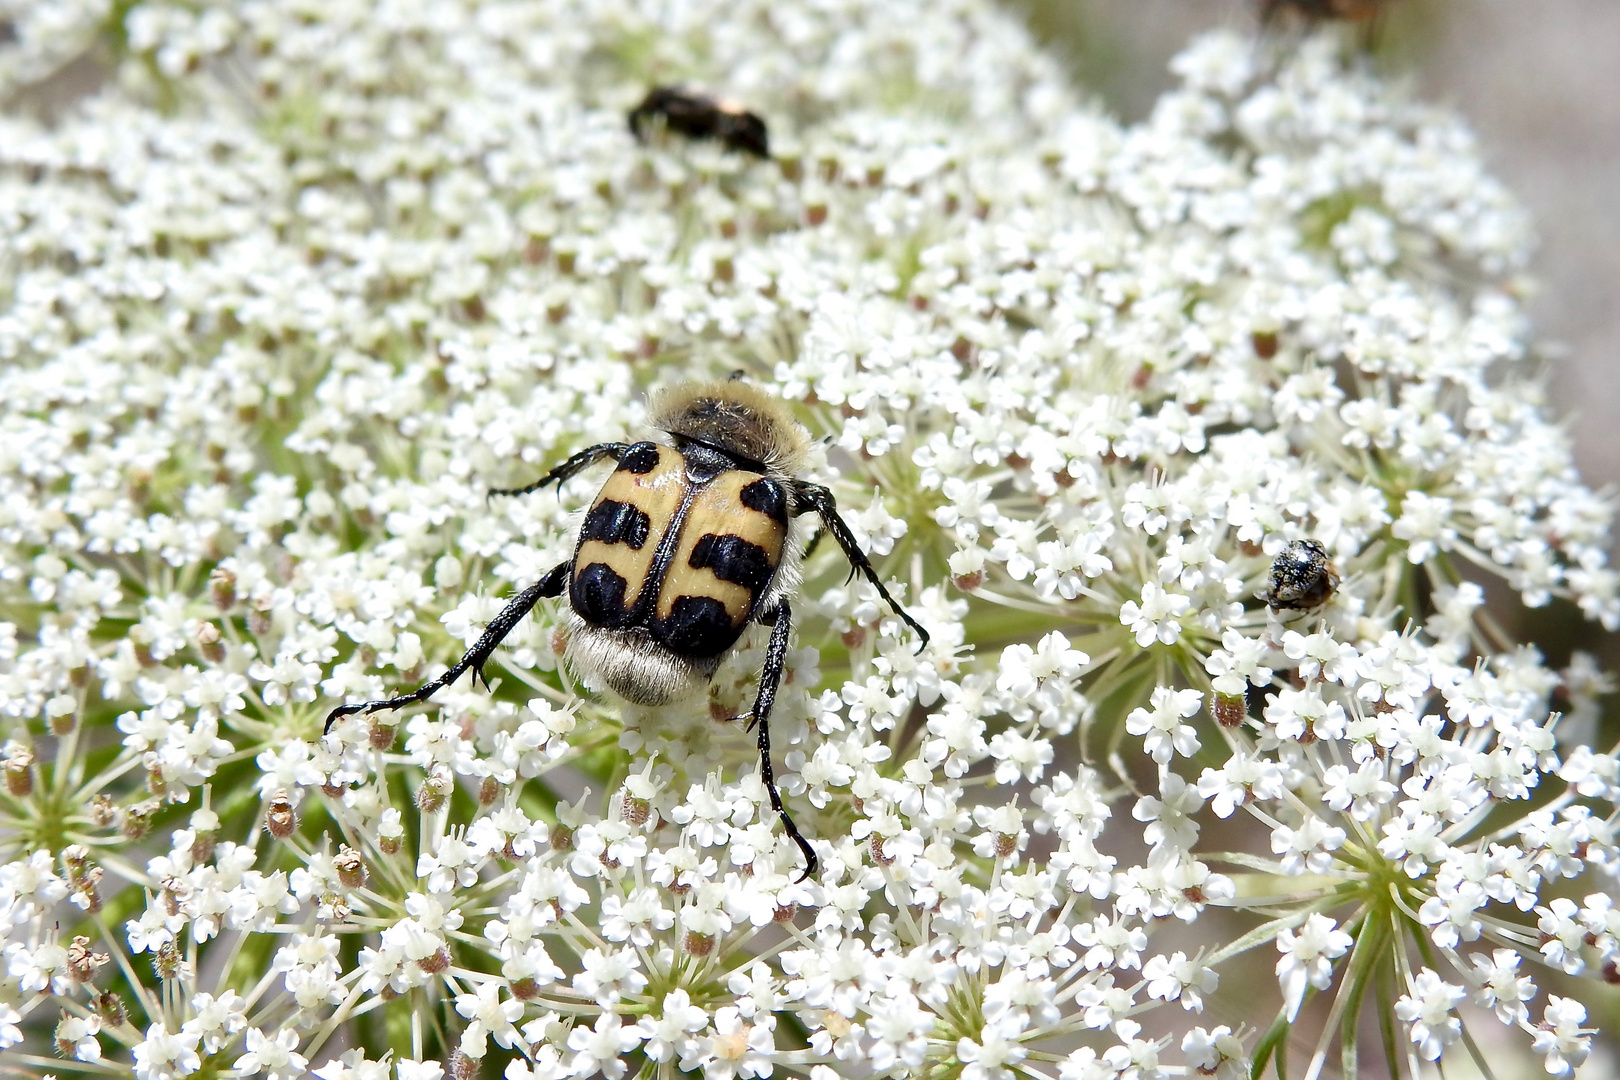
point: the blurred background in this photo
(1539, 82)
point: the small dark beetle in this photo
(698, 116)
(1316, 10)
(1302, 577)
(694, 536)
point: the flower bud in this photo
(102, 811)
(222, 589)
(259, 623)
(76, 861)
(169, 895)
(635, 811)
(350, 867)
(141, 637)
(110, 1007)
(85, 895)
(166, 960)
(61, 714)
(1230, 709)
(433, 794)
(18, 766)
(380, 731)
(82, 961)
(138, 819)
(156, 785)
(733, 1046)
(69, 1030)
(968, 582)
(279, 819)
(208, 643)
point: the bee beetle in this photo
(698, 116)
(693, 536)
(1302, 577)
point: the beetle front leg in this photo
(582, 460)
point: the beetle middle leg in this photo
(779, 619)
(552, 584)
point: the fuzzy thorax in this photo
(736, 417)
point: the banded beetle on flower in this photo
(692, 538)
(699, 116)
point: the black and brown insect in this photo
(1321, 10)
(699, 116)
(695, 535)
(1302, 577)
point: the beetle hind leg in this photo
(780, 621)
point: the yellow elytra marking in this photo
(718, 508)
(656, 493)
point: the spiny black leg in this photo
(476, 657)
(779, 619)
(582, 460)
(815, 497)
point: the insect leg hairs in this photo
(582, 460)
(779, 619)
(818, 498)
(551, 584)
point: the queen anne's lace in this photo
(296, 286)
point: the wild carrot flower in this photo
(296, 284)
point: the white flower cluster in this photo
(302, 281)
